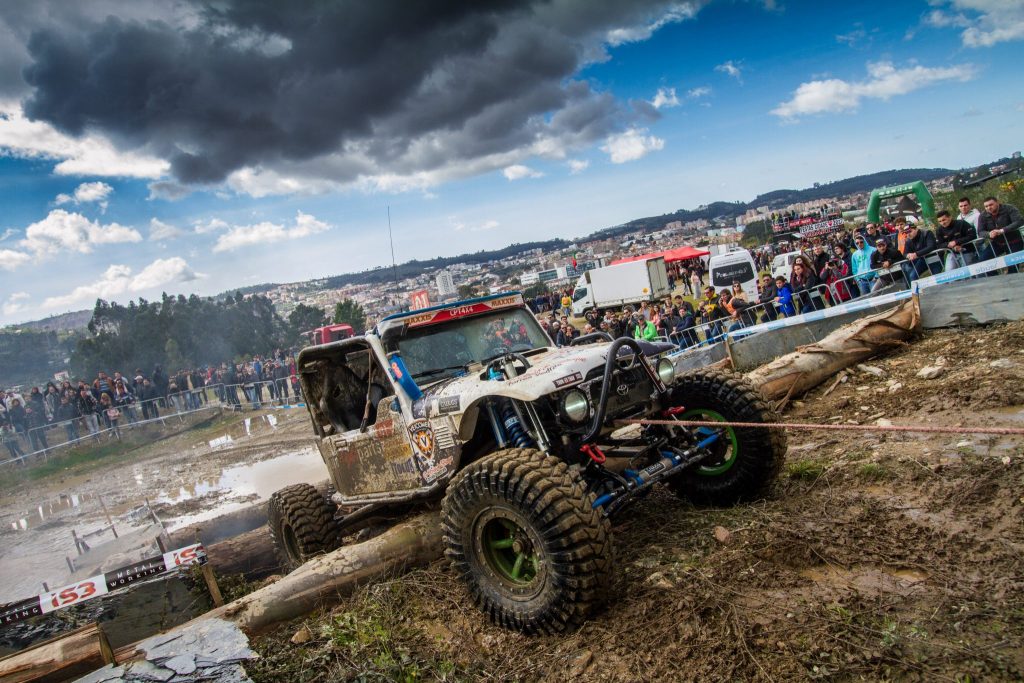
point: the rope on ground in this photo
(921, 429)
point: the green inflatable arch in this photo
(924, 198)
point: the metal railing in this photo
(281, 392)
(899, 276)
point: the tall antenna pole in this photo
(394, 265)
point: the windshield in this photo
(726, 274)
(580, 293)
(439, 350)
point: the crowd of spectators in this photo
(826, 271)
(89, 409)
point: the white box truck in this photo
(624, 283)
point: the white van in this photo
(782, 264)
(724, 269)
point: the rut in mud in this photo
(876, 556)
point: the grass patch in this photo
(807, 470)
(873, 471)
(370, 638)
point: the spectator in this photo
(766, 297)
(861, 260)
(645, 329)
(123, 399)
(834, 275)
(67, 415)
(969, 214)
(1001, 223)
(17, 417)
(802, 282)
(784, 298)
(110, 414)
(36, 420)
(885, 256)
(148, 398)
(871, 233)
(684, 330)
(88, 408)
(917, 244)
(10, 440)
(51, 400)
(566, 303)
(954, 234)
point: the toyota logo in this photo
(622, 389)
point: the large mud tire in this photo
(520, 531)
(301, 524)
(746, 460)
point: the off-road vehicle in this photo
(470, 404)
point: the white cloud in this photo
(118, 279)
(212, 225)
(884, 81)
(89, 155)
(698, 92)
(11, 259)
(158, 230)
(665, 97)
(518, 172)
(9, 232)
(853, 38)
(266, 232)
(459, 226)
(674, 14)
(731, 69)
(578, 165)
(486, 225)
(984, 22)
(87, 193)
(15, 303)
(62, 230)
(631, 145)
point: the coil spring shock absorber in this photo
(517, 435)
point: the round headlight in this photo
(666, 370)
(575, 405)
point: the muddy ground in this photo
(877, 556)
(185, 480)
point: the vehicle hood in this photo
(556, 369)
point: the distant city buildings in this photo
(446, 285)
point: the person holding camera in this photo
(833, 275)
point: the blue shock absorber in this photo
(514, 430)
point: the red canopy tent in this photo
(671, 255)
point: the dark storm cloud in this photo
(383, 87)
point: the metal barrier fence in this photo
(861, 286)
(95, 426)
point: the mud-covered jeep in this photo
(472, 403)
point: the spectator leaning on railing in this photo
(1001, 223)
(917, 244)
(885, 256)
(861, 260)
(954, 234)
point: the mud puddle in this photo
(236, 487)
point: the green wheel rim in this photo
(508, 551)
(728, 458)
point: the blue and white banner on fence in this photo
(101, 584)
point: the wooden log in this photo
(250, 554)
(808, 366)
(329, 577)
(65, 657)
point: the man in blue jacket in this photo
(861, 262)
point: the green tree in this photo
(303, 319)
(350, 312)
(466, 292)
